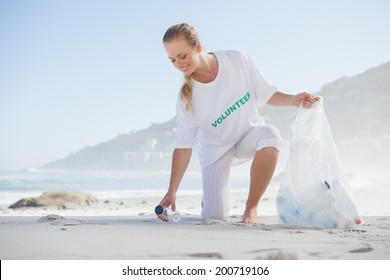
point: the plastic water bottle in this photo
(166, 214)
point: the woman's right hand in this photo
(180, 160)
(169, 200)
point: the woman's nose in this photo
(176, 64)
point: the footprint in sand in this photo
(362, 250)
(61, 221)
(281, 256)
(356, 230)
(217, 256)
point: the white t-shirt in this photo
(225, 109)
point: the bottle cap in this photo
(159, 209)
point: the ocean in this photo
(15, 185)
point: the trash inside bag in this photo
(313, 192)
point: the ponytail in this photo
(186, 93)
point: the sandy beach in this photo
(121, 230)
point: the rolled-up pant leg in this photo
(256, 139)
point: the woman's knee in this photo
(268, 136)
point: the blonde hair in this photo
(191, 36)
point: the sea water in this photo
(116, 186)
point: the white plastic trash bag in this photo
(313, 189)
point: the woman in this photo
(220, 98)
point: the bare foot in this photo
(250, 217)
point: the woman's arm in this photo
(283, 99)
(180, 161)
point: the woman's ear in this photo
(198, 46)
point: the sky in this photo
(77, 73)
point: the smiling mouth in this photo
(183, 69)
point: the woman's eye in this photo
(183, 57)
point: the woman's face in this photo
(183, 56)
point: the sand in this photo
(124, 237)
(129, 230)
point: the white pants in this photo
(215, 177)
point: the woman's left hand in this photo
(306, 98)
